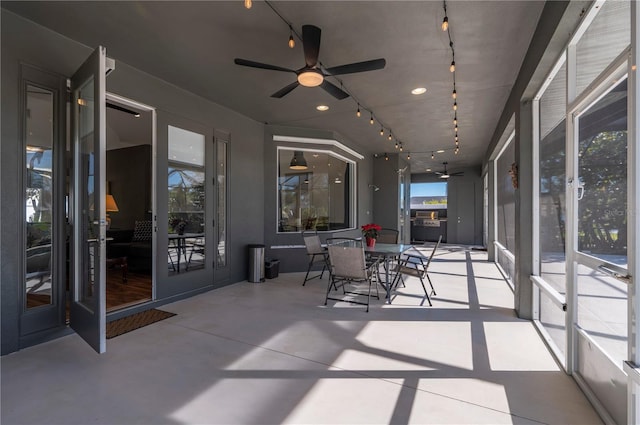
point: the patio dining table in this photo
(387, 251)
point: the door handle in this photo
(622, 278)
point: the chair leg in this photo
(306, 277)
(425, 292)
(329, 285)
(433, 291)
(369, 296)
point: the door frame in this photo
(134, 104)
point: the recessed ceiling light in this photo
(322, 108)
(419, 90)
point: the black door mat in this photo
(135, 321)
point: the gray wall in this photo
(23, 41)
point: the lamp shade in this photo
(298, 162)
(111, 205)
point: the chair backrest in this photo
(434, 251)
(343, 241)
(312, 243)
(347, 261)
(142, 230)
(387, 236)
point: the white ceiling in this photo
(193, 45)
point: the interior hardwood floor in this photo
(137, 289)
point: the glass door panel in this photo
(600, 248)
(221, 205)
(602, 186)
(39, 197)
(187, 201)
(87, 309)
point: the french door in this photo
(87, 201)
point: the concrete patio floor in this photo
(267, 353)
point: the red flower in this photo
(371, 230)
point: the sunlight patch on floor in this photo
(344, 401)
(516, 347)
(424, 342)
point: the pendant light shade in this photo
(298, 162)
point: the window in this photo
(552, 153)
(429, 196)
(315, 191)
(506, 198)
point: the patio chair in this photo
(316, 253)
(417, 265)
(387, 236)
(349, 267)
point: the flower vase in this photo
(371, 242)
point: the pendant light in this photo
(292, 42)
(298, 162)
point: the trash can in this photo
(256, 263)
(271, 268)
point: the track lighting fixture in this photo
(386, 157)
(248, 4)
(381, 131)
(432, 155)
(455, 128)
(408, 156)
(396, 145)
(371, 120)
(400, 147)
(454, 94)
(358, 114)
(390, 136)
(445, 23)
(455, 152)
(455, 120)
(452, 67)
(455, 106)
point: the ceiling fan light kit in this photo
(310, 78)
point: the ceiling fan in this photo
(446, 175)
(311, 74)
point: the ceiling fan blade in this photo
(352, 68)
(311, 44)
(253, 64)
(285, 90)
(334, 90)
